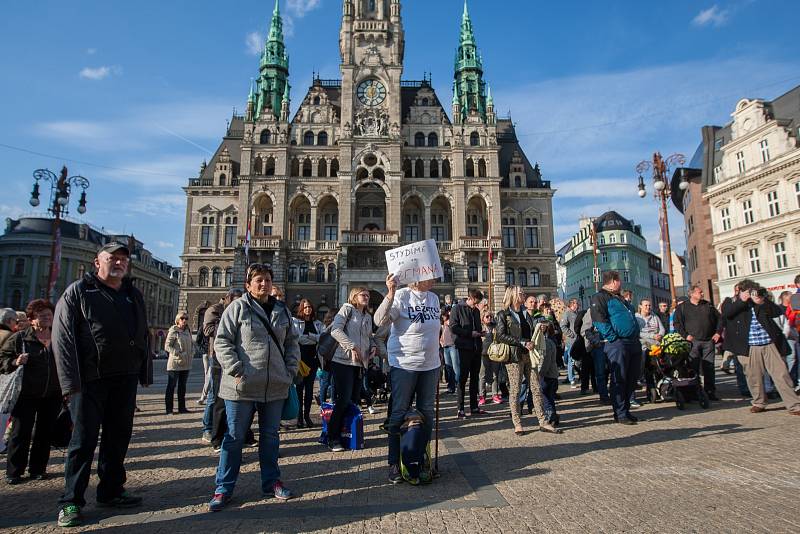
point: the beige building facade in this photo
(366, 163)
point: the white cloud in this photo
(91, 51)
(99, 73)
(300, 8)
(254, 42)
(164, 244)
(713, 16)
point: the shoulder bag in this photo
(326, 348)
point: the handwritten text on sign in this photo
(415, 262)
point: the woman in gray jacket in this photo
(180, 347)
(308, 331)
(352, 328)
(257, 349)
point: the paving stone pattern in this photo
(720, 470)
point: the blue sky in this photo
(137, 93)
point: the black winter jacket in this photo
(738, 315)
(40, 378)
(509, 331)
(90, 337)
(463, 321)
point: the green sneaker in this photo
(70, 516)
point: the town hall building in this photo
(366, 163)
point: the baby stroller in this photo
(669, 370)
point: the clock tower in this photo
(371, 44)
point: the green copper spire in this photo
(489, 99)
(469, 84)
(274, 68)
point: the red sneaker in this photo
(481, 400)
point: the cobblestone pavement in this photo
(720, 470)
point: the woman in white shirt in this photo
(413, 350)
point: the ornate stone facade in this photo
(368, 162)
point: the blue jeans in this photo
(791, 361)
(325, 386)
(211, 396)
(405, 386)
(240, 414)
(549, 387)
(599, 360)
(625, 362)
(568, 360)
(452, 364)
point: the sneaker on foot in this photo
(371, 410)
(481, 400)
(206, 437)
(279, 491)
(124, 500)
(69, 516)
(218, 502)
(335, 446)
(461, 415)
(497, 399)
(395, 477)
(574, 385)
(635, 404)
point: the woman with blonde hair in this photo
(515, 328)
(352, 328)
(180, 346)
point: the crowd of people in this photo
(88, 354)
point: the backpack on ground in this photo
(415, 451)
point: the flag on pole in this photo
(247, 244)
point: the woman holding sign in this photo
(516, 329)
(413, 350)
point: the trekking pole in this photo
(436, 431)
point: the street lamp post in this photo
(661, 168)
(60, 189)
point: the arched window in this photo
(228, 277)
(485, 272)
(322, 139)
(258, 165)
(264, 138)
(448, 273)
(322, 168)
(270, 167)
(425, 101)
(223, 179)
(331, 273)
(470, 171)
(446, 168)
(407, 168)
(362, 174)
(203, 277)
(522, 277)
(482, 168)
(19, 268)
(295, 170)
(433, 139)
(472, 272)
(334, 168)
(216, 277)
(308, 138)
(317, 101)
(419, 168)
(320, 273)
(292, 273)
(378, 174)
(434, 168)
(474, 139)
(518, 181)
(303, 273)
(509, 277)
(307, 167)
(419, 139)
(534, 278)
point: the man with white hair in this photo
(8, 323)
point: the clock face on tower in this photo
(371, 92)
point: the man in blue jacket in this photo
(615, 321)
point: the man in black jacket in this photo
(741, 380)
(760, 345)
(100, 345)
(465, 322)
(697, 321)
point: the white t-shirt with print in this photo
(414, 340)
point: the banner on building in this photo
(415, 262)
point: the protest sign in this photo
(415, 262)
